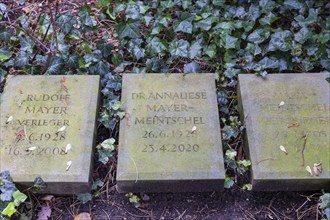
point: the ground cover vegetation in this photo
(110, 38)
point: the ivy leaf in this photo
(66, 22)
(229, 42)
(85, 18)
(6, 191)
(185, 3)
(231, 72)
(44, 25)
(163, 20)
(280, 41)
(211, 50)
(132, 12)
(138, 52)
(253, 13)
(231, 154)
(267, 5)
(56, 66)
(156, 46)
(167, 4)
(5, 178)
(147, 19)
(24, 20)
(312, 18)
(84, 197)
(258, 36)
(184, 24)
(3, 74)
(5, 34)
(293, 4)
(26, 44)
(228, 182)
(195, 49)
(9, 210)
(222, 98)
(62, 46)
(19, 197)
(109, 143)
(218, 2)
(302, 35)
(130, 30)
(156, 66)
(206, 24)
(22, 59)
(179, 48)
(100, 68)
(38, 185)
(156, 30)
(229, 132)
(325, 64)
(105, 48)
(96, 184)
(4, 54)
(192, 67)
(3, 11)
(269, 63)
(268, 19)
(104, 154)
(73, 61)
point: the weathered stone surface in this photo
(170, 138)
(33, 143)
(289, 110)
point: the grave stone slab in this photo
(292, 111)
(41, 117)
(170, 138)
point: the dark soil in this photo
(229, 204)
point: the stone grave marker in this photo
(287, 118)
(48, 130)
(170, 137)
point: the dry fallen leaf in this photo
(294, 125)
(317, 168)
(83, 216)
(9, 119)
(309, 170)
(283, 149)
(31, 148)
(44, 213)
(68, 165)
(48, 198)
(67, 148)
(281, 104)
(61, 129)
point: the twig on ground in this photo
(303, 150)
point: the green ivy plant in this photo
(134, 199)
(58, 43)
(325, 205)
(11, 198)
(188, 36)
(105, 150)
(243, 36)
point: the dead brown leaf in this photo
(83, 216)
(294, 125)
(44, 213)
